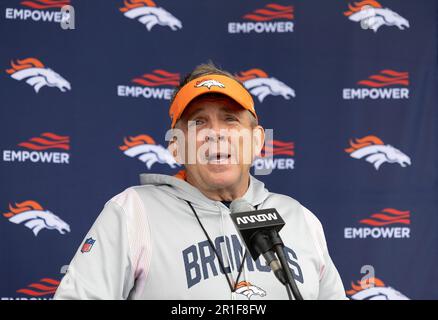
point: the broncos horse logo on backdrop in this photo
(376, 152)
(147, 151)
(372, 16)
(33, 71)
(248, 290)
(373, 289)
(147, 12)
(34, 217)
(260, 85)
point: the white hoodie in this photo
(149, 245)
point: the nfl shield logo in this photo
(88, 245)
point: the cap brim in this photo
(212, 83)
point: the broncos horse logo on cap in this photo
(372, 16)
(261, 85)
(36, 75)
(147, 151)
(376, 152)
(147, 12)
(34, 217)
(208, 83)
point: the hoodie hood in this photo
(256, 193)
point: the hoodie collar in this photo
(255, 194)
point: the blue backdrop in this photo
(349, 88)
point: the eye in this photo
(198, 122)
(231, 118)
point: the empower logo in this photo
(44, 287)
(39, 149)
(385, 224)
(277, 155)
(32, 215)
(33, 72)
(40, 10)
(373, 289)
(151, 85)
(374, 151)
(272, 18)
(144, 147)
(261, 85)
(147, 13)
(371, 15)
(387, 84)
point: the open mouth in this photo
(219, 158)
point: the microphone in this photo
(259, 231)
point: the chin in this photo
(223, 177)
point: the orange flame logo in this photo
(364, 284)
(158, 78)
(251, 74)
(277, 147)
(22, 207)
(47, 140)
(363, 142)
(358, 6)
(242, 284)
(386, 78)
(24, 64)
(387, 216)
(270, 12)
(44, 287)
(45, 4)
(135, 141)
(131, 4)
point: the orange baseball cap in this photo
(208, 84)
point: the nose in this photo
(215, 132)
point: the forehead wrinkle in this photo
(227, 105)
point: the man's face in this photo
(225, 146)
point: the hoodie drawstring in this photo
(221, 263)
(233, 293)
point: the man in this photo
(172, 237)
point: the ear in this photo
(258, 140)
(174, 148)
